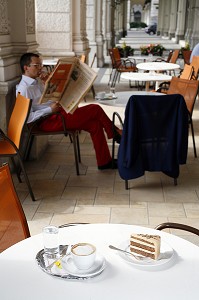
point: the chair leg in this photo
(16, 170)
(76, 151)
(193, 138)
(26, 177)
(126, 185)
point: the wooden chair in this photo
(187, 72)
(189, 90)
(119, 66)
(10, 142)
(34, 130)
(186, 56)
(174, 56)
(177, 226)
(13, 223)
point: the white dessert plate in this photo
(166, 255)
(97, 268)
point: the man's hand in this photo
(55, 106)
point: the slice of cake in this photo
(145, 245)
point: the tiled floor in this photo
(100, 196)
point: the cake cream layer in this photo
(145, 245)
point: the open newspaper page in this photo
(58, 80)
(79, 84)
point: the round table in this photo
(148, 77)
(157, 66)
(22, 279)
(123, 97)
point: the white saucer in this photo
(98, 266)
(107, 97)
(165, 257)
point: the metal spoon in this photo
(124, 251)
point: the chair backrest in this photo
(177, 226)
(169, 56)
(115, 57)
(195, 64)
(83, 58)
(187, 72)
(174, 56)
(93, 60)
(187, 88)
(18, 118)
(186, 56)
(13, 223)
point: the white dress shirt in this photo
(33, 89)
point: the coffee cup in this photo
(83, 255)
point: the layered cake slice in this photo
(145, 245)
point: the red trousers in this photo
(90, 118)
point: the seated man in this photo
(90, 118)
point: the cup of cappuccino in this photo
(83, 255)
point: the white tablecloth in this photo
(22, 279)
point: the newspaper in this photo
(69, 82)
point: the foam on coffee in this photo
(83, 249)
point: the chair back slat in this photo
(187, 88)
(187, 72)
(174, 56)
(18, 118)
(13, 224)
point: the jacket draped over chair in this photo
(155, 136)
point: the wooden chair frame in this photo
(10, 142)
(33, 130)
(177, 226)
(13, 223)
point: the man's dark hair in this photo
(25, 60)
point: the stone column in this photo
(160, 18)
(80, 41)
(90, 26)
(54, 28)
(190, 20)
(98, 33)
(166, 22)
(109, 23)
(17, 35)
(173, 18)
(128, 13)
(195, 35)
(180, 30)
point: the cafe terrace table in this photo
(147, 77)
(123, 97)
(22, 279)
(145, 58)
(157, 66)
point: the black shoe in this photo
(117, 135)
(110, 165)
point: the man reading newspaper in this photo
(90, 118)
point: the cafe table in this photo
(121, 98)
(147, 77)
(157, 66)
(175, 276)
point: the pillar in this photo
(180, 30)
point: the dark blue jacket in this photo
(155, 136)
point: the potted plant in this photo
(125, 50)
(154, 49)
